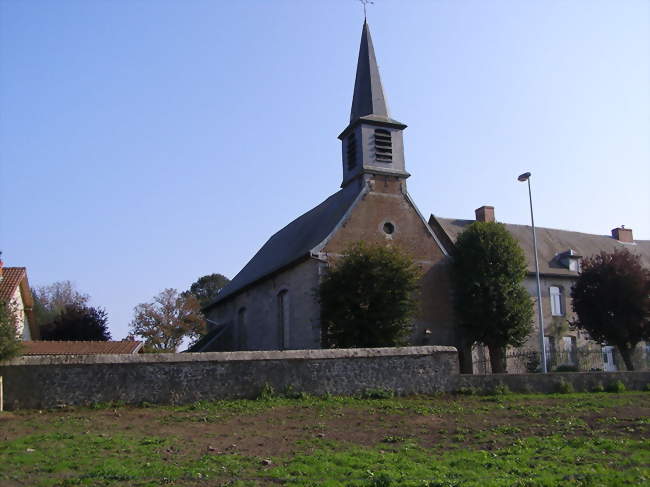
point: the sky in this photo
(146, 143)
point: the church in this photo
(271, 305)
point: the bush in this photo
(566, 368)
(467, 391)
(564, 387)
(599, 387)
(377, 394)
(500, 390)
(267, 392)
(368, 298)
(10, 344)
(616, 386)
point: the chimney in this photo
(622, 234)
(484, 214)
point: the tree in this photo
(492, 305)
(77, 322)
(611, 299)
(206, 288)
(164, 322)
(368, 297)
(50, 301)
(10, 344)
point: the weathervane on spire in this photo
(364, 3)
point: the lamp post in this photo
(526, 177)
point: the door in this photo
(608, 359)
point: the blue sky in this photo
(146, 143)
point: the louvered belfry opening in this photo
(352, 151)
(383, 146)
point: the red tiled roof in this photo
(80, 348)
(11, 277)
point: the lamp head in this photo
(523, 177)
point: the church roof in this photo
(293, 242)
(552, 243)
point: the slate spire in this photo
(368, 96)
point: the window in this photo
(240, 338)
(556, 301)
(351, 151)
(383, 146)
(388, 228)
(283, 318)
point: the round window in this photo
(389, 228)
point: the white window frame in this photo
(555, 296)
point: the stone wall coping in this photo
(156, 358)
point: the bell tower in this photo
(372, 143)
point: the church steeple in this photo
(368, 96)
(372, 142)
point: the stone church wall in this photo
(259, 327)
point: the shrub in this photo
(267, 392)
(500, 390)
(368, 298)
(564, 387)
(616, 386)
(467, 391)
(566, 368)
(10, 344)
(599, 387)
(377, 394)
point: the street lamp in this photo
(526, 177)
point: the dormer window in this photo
(571, 260)
(351, 151)
(383, 146)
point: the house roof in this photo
(10, 280)
(293, 242)
(552, 242)
(80, 348)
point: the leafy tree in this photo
(50, 301)
(611, 299)
(368, 297)
(164, 322)
(77, 322)
(10, 344)
(206, 288)
(490, 301)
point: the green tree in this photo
(206, 288)
(368, 297)
(10, 344)
(611, 299)
(78, 323)
(167, 320)
(51, 300)
(492, 305)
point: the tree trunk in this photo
(626, 353)
(497, 359)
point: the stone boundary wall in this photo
(549, 383)
(51, 381)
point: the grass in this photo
(580, 439)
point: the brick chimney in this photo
(622, 234)
(484, 214)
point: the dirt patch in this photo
(279, 430)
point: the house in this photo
(270, 303)
(15, 291)
(42, 347)
(559, 254)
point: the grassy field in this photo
(506, 440)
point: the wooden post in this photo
(1, 396)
